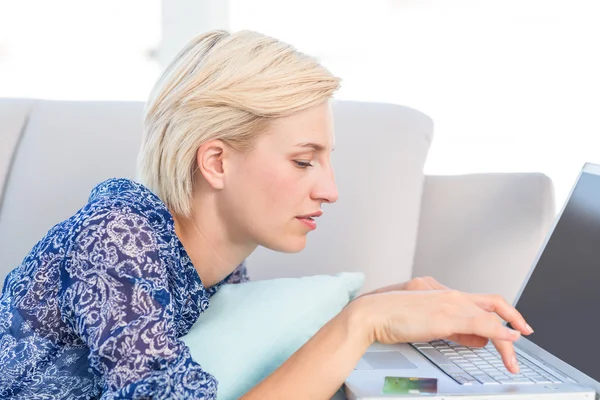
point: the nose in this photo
(325, 189)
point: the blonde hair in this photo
(221, 86)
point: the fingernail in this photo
(515, 364)
(529, 328)
(514, 333)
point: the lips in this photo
(311, 216)
(308, 219)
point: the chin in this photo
(287, 245)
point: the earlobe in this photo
(210, 160)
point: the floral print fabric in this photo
(96, 309)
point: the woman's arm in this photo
(319, 368)
(115, 296)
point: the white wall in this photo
(70, 49)
(181, 20)
(512, 85)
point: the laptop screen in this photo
(562, 297)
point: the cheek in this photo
(275, 190)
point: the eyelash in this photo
(303, 164)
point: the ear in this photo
(210, 160)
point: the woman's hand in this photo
(400, 316)
(421, 283)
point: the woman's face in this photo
(273, 193)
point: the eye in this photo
(302, 164)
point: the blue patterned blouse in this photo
(97, 308)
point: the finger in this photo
(434, 284)
(469, 340)
(390, 288)
(424, 283)
(509, 356)
(505, 348)
(497, 304)
(418, 283)
(486, 325)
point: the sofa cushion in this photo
(66, 149)
(250, 329)
(13, 119)
(378, 161)
(482, 232)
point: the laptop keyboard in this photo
(482, 366)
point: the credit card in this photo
(401, 385)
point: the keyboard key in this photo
(519, 375)
(422, 345)
(461, 363)
(486, 380)
(435, 356)
(451, 368)
(463, 379)
(519, 381)
(540, 379)
(482, 366)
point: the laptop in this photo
(560, 299)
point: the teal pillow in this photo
(251, 328)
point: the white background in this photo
(511, 85)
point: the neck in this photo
(212, 247)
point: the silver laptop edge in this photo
(526, 347)
(576, 383)
(530, 347)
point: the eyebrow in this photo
(315, 146)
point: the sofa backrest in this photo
(54, 152)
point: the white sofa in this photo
(477, 233)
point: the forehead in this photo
(310, 129)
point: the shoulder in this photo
(123, 189)
(122, 224)
(123, 203)
(117, 193)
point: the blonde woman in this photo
(236, 153)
